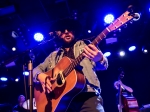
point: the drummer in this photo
(18, 107)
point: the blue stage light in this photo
(26, 73)
(3, 79)
(38, 37)
(109, 18)
(89, 31)
(13, 49)
(107, 54)
(145, 50)
(122, 53)
(132, 48)
(17, 79)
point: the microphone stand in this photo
(120, 101)
(120, 91)
(30, 69)
(30, 78)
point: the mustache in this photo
(67, 35)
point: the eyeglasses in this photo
(68, 29)
(62, 32)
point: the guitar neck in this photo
(100, 37)
(125, 17)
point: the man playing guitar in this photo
(89, 98)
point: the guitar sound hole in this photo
(59, 81)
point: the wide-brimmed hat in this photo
(69, 24)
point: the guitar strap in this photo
(58, 56)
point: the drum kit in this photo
(26, 104)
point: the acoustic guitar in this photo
(70, 82)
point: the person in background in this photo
(124, 87)
(125, 90)
(19, 106)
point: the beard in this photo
(67, 44)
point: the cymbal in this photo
(26, 104)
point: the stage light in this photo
(26, 73)
(17, 79)
(132, 48)
(122, 53)
(89, 31)
(144, 49)
(10, 64)
(107, 54)
(3, 79)
(13, 49)
(38, 37)
(111, 40)
(7, 10)
(14, 34)
(109, 18)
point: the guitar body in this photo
(130, 104)
(63, 90)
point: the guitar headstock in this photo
(123, 19)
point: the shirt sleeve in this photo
(101, 65)
(41, 68)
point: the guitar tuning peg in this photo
(119, 29)
(125, 25)
(131, 21)
(131, 8)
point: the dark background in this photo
(29, 16)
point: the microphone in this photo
(31, 55)
(51, 33)
(55, 34)
(45, 41)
